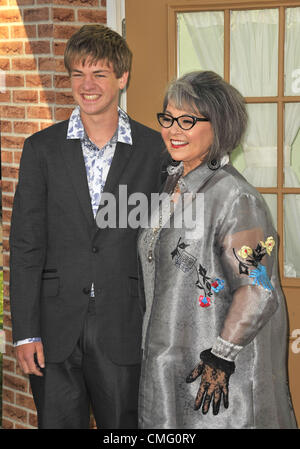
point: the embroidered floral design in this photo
(268, 244)
(183, 260)
(204, 301)
(252, 258)
(245, 252)
(208, 285)
(217, 285)
(186, 262)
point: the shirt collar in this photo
(196, 178)
(76, 129)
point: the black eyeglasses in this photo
(184, 121)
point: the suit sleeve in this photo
(249, 246)
(28, 245)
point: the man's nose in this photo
(88, 81)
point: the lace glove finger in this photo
(195, 373)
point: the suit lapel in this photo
(72, 154)
(121, 157)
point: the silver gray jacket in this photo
(215, 286)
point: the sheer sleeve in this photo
(248, 256)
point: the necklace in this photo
(155, 230)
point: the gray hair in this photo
(206, 93)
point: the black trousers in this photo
(65, 393)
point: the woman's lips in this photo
(178, 144)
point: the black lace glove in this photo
(215, 373)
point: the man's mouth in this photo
(90, 97)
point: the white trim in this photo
(115, 13)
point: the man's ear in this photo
(123, 80)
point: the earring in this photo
(214, 164)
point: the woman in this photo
(215, 331)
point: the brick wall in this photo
(33, 34)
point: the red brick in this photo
(14, 413)
(46, 64)
(47, 96)
(36, 14)
(7, 186)
(26, 127)
(9, 349)
(7, 424)
(59, 48)
(10, 172)
(10, 15)
(63, 15)
(60, 65)
(19, 31)
(45, 30)
(92, 16)
(8, 395)
(37, 47)
(62, 113)
(44, 125)
(33, 420)
(14, 382)
(5, 97)
(4, 32)
(64, 31)
(24, 64)
(7, 201)
(12, 111)
(25, 96)
(62, 81)
(4, 64)
(25, 401)
(40, 112)
(6, 126)
(7, 157)
(17, 157)
(6, 228)
(12, 142)
(14, 80)
(76, 2)
(39, 80)
(64, 98)
(11, 48)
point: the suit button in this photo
(95, 249)
(86, 290)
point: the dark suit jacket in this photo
(57, 251)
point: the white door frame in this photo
(115, 13)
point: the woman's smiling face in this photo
(190, 146)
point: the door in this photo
(255, 45)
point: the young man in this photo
(75, 309)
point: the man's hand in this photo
(26, 360)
